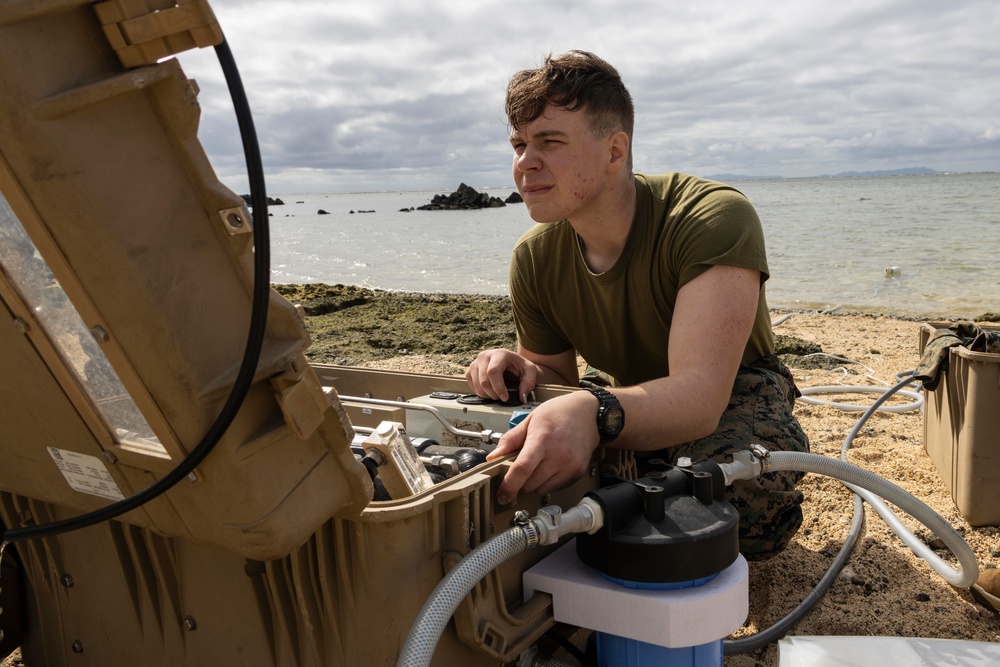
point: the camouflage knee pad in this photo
(759, 411)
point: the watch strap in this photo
(608, 401)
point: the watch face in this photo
(614, 419)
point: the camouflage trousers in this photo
(759, 411)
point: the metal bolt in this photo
(67, 581)
(100, 335)
(21, 325)
(235, 220)
(190, 624)
(109, 456)
(684, 462)
(77, 646)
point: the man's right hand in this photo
(486, 374)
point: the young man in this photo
(657, 281)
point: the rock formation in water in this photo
(461, 199)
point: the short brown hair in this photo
(574, 80)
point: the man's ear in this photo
(619, 146)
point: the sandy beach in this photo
(884, 591)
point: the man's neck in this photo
(604, 232)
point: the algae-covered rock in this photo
(354, 325)
(351, 325)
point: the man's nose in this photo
(528, 160)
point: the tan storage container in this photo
(962, 429)
(126, 284)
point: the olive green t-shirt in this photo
(619, 320)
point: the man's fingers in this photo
(495, 372)
(529, 376)
(500, 451)
(499, 373)
(520, 471)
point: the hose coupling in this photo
(747, 464)
(553, 523)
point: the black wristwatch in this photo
(610, 415)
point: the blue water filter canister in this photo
(669, 531)
(616, 651)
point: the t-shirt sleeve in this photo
(720, 228)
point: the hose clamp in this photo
(523, 521)
(762, 454)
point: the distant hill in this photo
(741, 177)
(911, 171)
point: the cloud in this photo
(395, 95)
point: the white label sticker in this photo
(86, 474)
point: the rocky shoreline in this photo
(353, 326)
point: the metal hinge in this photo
(143, 32)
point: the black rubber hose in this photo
(781, 627)
(255, 336)
(570, 648)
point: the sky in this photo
(373, 95)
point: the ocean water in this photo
(830, 242)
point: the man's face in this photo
(559, 165)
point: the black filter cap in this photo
(669, 528)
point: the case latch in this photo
(143, 32)
(301, 397)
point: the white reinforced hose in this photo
(853, 475)
(948, 573)
(954, 577)
(918, 399)
(449, 593)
